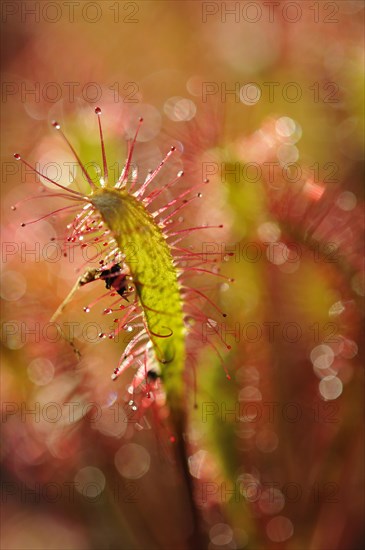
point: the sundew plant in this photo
(145, 268)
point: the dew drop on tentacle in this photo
(104, 179)
(116, 373)
(69, 191)
(56, 125)
(125, 172)
(151, 176)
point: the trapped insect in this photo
(114, 278)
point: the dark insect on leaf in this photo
(152, 375)
(114, 278)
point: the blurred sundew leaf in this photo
(317, 297)
(245, 297)
(355, 95)
(217, 399)
(244, 195)
(218, 395)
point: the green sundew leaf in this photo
(218, 412)
(155, 277)
(245, 195)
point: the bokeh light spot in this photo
(322, 356)
(40, 371)
(13, 286)
(90, 481)
(272, 501)
(220, 534)
(269, 232)
(250, 94)
(179, 109)
(346, 201)
(330, 387)
(279, 529)
(266, 441)
(132, 461)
